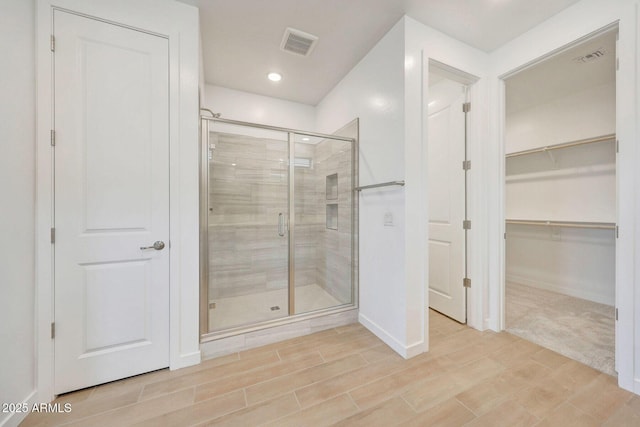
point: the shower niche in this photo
(331, 196)
(272, 200)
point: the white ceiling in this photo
(241, 38)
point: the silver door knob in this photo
(158, 246)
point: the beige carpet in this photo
(577, 328)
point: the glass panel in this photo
(247, 225)
(323, 223)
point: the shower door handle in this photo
(281, 224)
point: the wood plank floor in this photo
(348, 377)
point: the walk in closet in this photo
(560, 202)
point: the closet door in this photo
(446, 140)
(111, 202)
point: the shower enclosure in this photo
(278, 224)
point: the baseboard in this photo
(559, 288)
(405, 351)
(14, 419)
(185, 360)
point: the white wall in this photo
(585, 114)
(574, 23)
(373, 91)
(17, 219)
(570, 261)
(248, 107)
(573, 184)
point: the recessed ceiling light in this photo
(274, 77)
(305, 139)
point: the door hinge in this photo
(617, 231)
(616, 313)
(617, 64)
(505, 235)
(466, 107)
(53, 235)
(466, 282)
(466, 165)
(617, 145)
(53, 138)
(53, 330)
(53, 43)
(466, 224)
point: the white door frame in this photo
(179, 24)
(473, 135)
(472, 70)
(567, 27)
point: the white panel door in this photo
(446, 201)
(111, 199)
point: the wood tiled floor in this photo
(347, 377)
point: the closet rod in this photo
(382, 184)
(602, 138)
(570, 224)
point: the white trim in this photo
(179, 23)
(405, 351)
(185, 360)
(14, 419)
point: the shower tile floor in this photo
(252, 308)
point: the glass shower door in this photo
(248, 208)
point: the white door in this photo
(446, 139)
(111, 198)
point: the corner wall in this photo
(373, 91)
(17, 219)
(387, 91)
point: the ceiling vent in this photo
(298, 42)
(593, 56)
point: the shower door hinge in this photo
(466, 282)
(53, 235)
(53, 330)
(53, 138)
(466, 224)
(466, 107)
(466, 165)
(53, 43)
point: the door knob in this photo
(158, 246)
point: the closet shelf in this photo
(568, 224)
(603, 138)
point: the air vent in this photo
(298, 42)
(592, 56)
